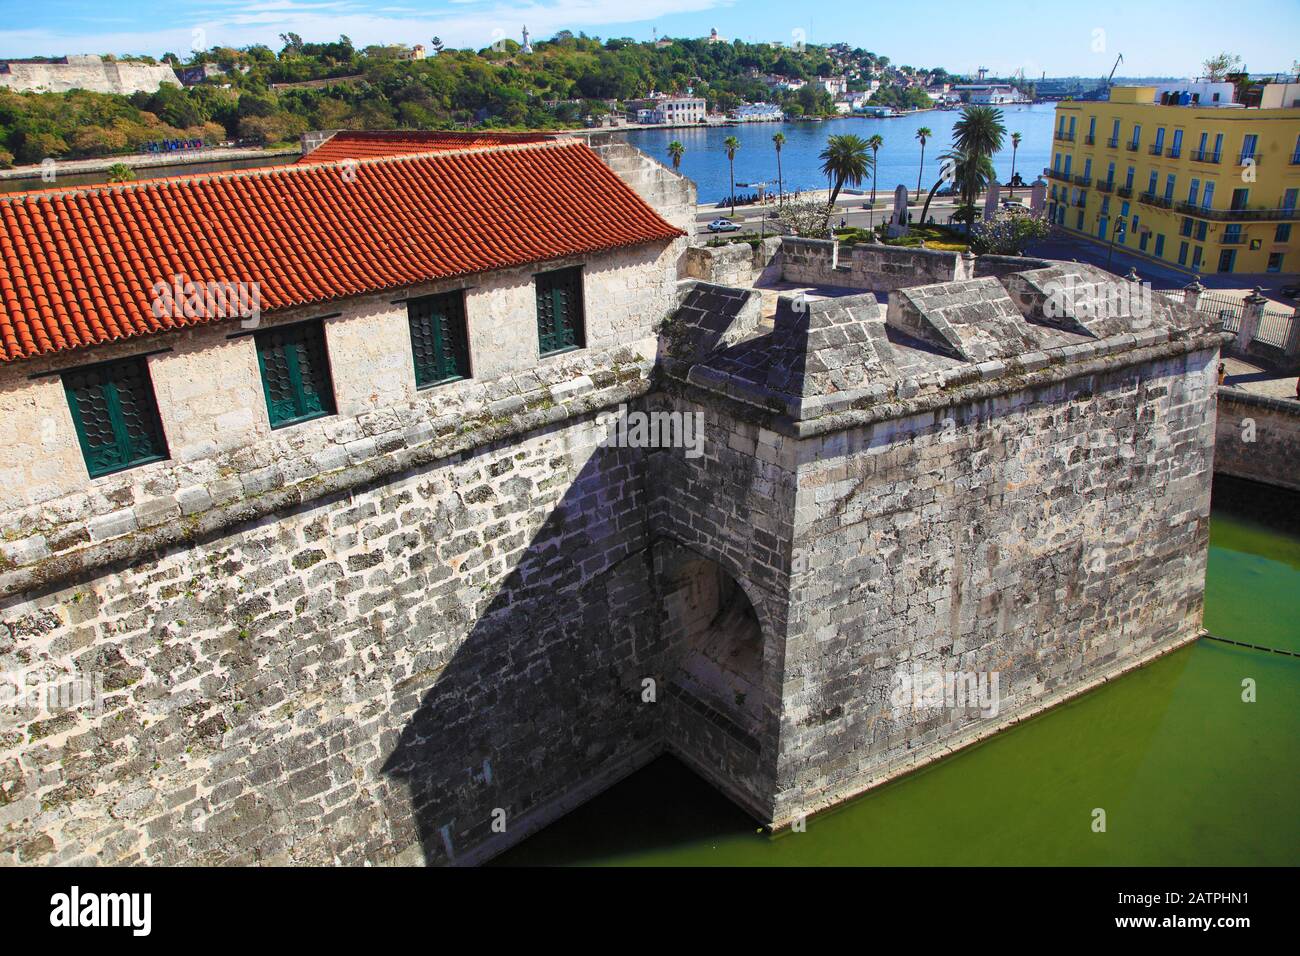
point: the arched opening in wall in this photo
(714, 637)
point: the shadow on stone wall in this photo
(544, 690)
(542, 704)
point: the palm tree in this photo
(732, 144)
(968, 172)
(874, 143)
(845, 160)
(676, 151)
(977, 134)
(120, 173)
(779, 140)
(1015, 145)
(923, 134)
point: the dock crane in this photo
(1118, 60)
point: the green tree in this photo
(1217, 67)
(922, 134)
(846, 159)
(875, 142)
(676, 151)
(778, 141)
(732, 144)
(1015, 145)
(120, 173)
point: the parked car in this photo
(723, 225)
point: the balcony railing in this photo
(1124, 192)
(1175, 152)
(1286, 214)
(1245, 158)
(1113, 142)
(1089, 140)
(1233, 238)
(1132, 146)
(1151, 199)
(1057, 175)
(1065, 137)
(1105, 185)
(1205, 156)
(1081, 202)
(1083, 180)
(1155, 150)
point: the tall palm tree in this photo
(977, 134)
(779, 140)
(1015, 145)
(923, 134)
(969, 173)
(732, 144)
(845, 160)
(676, 151)
(874, 144)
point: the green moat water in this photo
(1187, 773)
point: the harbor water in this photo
(898, 160)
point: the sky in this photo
(1156, 38)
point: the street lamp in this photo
(1120, 225)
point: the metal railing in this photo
(1156, 149)
(1124, 192)
(1205, 156)
(1113, 142)
(1105, 185)
(1275, 325)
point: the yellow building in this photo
(1181, 175)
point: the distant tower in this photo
(528, 47)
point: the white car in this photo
(723, 225)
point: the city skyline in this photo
(968, 36)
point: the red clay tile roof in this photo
(77, 266)
(350, 144)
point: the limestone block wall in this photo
(873, 266)
(376, 676)
(733, 506)
(1258, 438)
(671, 194)
(1051, 535)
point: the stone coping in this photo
(1288, 406)
(945, 389)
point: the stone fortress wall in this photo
(422, 628)
(87, 72)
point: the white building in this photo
(758, 113)
(680, 109)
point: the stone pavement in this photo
(1258, 380)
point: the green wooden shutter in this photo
(439, 339)
(116, 415)
(295, 373)
(559, 311)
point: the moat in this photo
(1188, 774)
